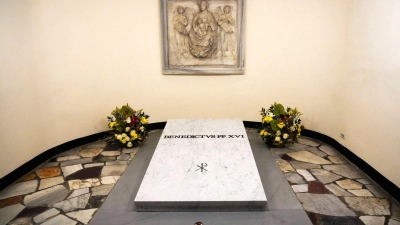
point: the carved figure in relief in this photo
(227, 32)
(203, 35)
(180, 23)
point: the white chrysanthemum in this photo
(285, 136)
(124, 135)
(128, 120)
(127, 129)
(141, 128)
(292, 128)
(127, 138)
(119, 137)
(129, 144)
(277, 139)
(278, 133)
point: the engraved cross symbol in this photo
(202, 167)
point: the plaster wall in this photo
(64, 65)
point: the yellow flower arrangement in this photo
(280, 126)
(128, 126)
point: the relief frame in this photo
(202, 36)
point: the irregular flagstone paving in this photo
(67, 189)
(341, 193)
(71, 187)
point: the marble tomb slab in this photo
(202, 165)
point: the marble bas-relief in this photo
(204, 36)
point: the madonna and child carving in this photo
(203, 33)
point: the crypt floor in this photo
(307, 183)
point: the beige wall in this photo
(66, 64)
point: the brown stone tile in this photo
(317, 187)
(314, 218)
(10, 201)
(86, 173)
(48, 172)
(286, 157)
(28, 177)
(113, 146)
(101, 158)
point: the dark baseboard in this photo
(386, 184)
(10, 178)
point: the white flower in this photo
(142, 128)
(277, 139)
(124, 135)
(128, 120)
(285, 136)
(115, 135)
(119, 137)
(127, 129)
(270, 114)
(278, 133)
(129, 144)
(113, 118)
(127, 138)
(292, 128)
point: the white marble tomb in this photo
(202, 165)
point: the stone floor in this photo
(71, 187)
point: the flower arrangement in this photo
(280, 126)
(128, 126)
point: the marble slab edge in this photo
(205, 206)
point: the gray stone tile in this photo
(294, 178)
(47, 196)
(68, 170)
(300, 188)
(373, 220)
(325, 176)
(324, 204)
(49, 182)
(361, 193)
(19, 189)
(124, 156)
(393, 222)
(281, 151)
(395, 209)
(76, 161)
(78, 192)
(78, 184)
(365, 181)
(304, 165)
(339, 220)
(377, 191)
(66, 158)
(298, 147)
(60, 219)
(328, 150)
(70, 152)
(349, 184)
(117, 163)
(338, 159)
(21, 221)
(46, 215)
(97, 144)
(90, 152)
(114, 170)
(8, 213)
(338, 191)
(93, 165)
(130, 150)
(72, 204)
(308, 141)
(316, 151)
(102, 189)
(368, 205)
(306, 156)
(83, 216)
(284, 166)
(345, 170)
(307, 175)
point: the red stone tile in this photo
(10, 201)
(48, 172)
(317, 187)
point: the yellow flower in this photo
(123, 141)
(262, 132)
(281, 125)
(112, 124)
(144, 120)
(267, 119)
(134, 135)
